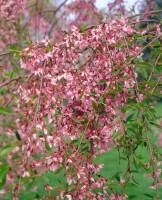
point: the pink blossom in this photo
(69, 106)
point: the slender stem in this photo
(152, 159)
(54, 10)
(147, 20)
(153, 68)
(159, 79)
(83, 136)
(38, 104)
(153, 167)
(15, 79)
(146, 13)
(55, 21)
(5, 105)
(5, 53)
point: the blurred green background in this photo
(138, 189)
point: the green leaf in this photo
(12, 75)
(116, 134)
(75, 142)
(14, 51)
(102, 82)
(144, 73)
(132, 197)
(148, 195)
(18, 136)
(95, 107)
(4, 110)
(75, 120)
(85, 149)
(102, 99)
(83, 27)
(37, 156)
(47, 146)
(138, 160)
(30, 183)
(136, 35)
(52, 179)
(8, 148)
(65, 102)
(132, 185)
(27, 195)
(141, 105)
(85, 121)
(135, 181)
(129, 118)
(117, 177)
(3, 170)
(156, 125)
(115, 91)
(92, 93)
(59, 170)
(81, 95)
(40, 186)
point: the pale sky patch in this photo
(103, 3)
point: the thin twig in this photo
(15, 79)
(159, 79)
(39, 98)
(52, 26)
(82, 136)
(147, 20)
(60, 6)
(153, 68)
(55, 21)
(53, 10)
(146, 13)
(5, 53)
(152, 159)
(6, 104)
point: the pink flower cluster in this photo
(9, 13)
(9, 9)
(70, 102)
